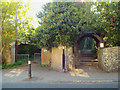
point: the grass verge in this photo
(19, 62)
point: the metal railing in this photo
(22, 56)
(37, 56)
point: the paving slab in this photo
(86, 74)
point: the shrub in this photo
(3, 66)
(20, 62)
(0, 66)
(46, 65)
(51, 68)
(41, 65)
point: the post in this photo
(29, 66)
(0, 36)
(63, 59)
(16, 46)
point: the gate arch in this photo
(96, 37)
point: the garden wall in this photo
(45, 56)
(109, 58)
(56, 58)
(70, 64)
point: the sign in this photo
(45, 50)
(102, 44)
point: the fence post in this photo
(28, 56)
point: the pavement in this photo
(86, 74)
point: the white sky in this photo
(35, 7)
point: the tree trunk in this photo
(6, 55)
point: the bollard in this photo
(63, 57)
(29, 71)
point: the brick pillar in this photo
(45, 56)
(56, 58)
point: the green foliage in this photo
(107, 71)
(59, 25)
(20, 62)
(41, 65)
(108, 22)
(28, 49)
(10, 65)
(3, 66)
(63, 22)
(87, 43)
(7, 66)
(46, 65)
(13, 25)
(14, 66)
(51, 68)
(0, 66)
(8, 21)
(31, 59)
(50, 61)
(26, 34)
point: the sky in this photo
(35, 7)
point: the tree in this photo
(108, 22)
(63, 22)
(102, 20)
(26, 32)
(9, 10)
(58, 24)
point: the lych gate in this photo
(85, 49)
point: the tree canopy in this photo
(108, 22)
(14, 25)
(63, 22)
(58, 24)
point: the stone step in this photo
(87, 55)
(86, 64)
(87, 61)
(88, 58)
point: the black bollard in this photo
(63, 60)
(29, 66)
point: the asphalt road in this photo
(60, 85)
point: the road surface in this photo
(60, 85)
